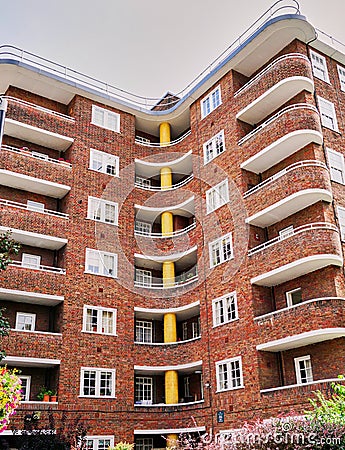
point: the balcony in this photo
(33, 123)
(286, 132)
(292, 189)
(274, 86)
(149, 380)
(147, 143)
(291, 255)
(149, 325)
(9, 204)
(147, 171)
(35, 239)
(21, 169)
(35, 298)
(33, 345)
(288, 322)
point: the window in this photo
(186, 386)
(31, 261)
(327, 111)
(143, 331)
(25, 321)
(336, 166)
(144, 444)
(142, 227)
(99, 442)
(101, 263)
(184, 331)
(221, 250)
(211, 102)
(143, 277)
(303, 369)
(35, 206)
(341, 219)
(224, 309)
(143, 182)
(143, 390)
(294, 297)
(104, 162)
(217, 196)
(319, 66)
(102, 210)
(99, 320)
(105, 118)
(196, 328)
(97, 382)
(229, 374)
(142, 140)
(26, 384)
(341, 73)
(214, 147)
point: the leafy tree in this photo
(329, 410)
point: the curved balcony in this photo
(35, 239)
(146, 143)
(321, 312)
(20, 170)
(35, 298)
(33, 344)
(305, 249)
(286, 132)
(147, 173)
(38, 125)
(292, 189)
(274, 86)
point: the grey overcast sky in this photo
(146, 47)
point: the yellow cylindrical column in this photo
(170, 333)
(172, 440)
(166, 178)
(171, 387)
(167, 223)
(164, 133)
(168, 274)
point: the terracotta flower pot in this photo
(46, 397)
(53, 398)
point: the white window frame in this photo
(142, 182)
(144, 444)
(319, 66)
(107, 117)
(103, 162)
(228, 384)
(196, 331)
(209, 103)
(100, 311)
(145, 277)
(98, 258)
(327, 114)
(223, 308)
(336, 169)
(35, 206)
(341, 73)
(298, 369)
(146, 394)
(26, 397)
(214, 147)
(29, 265)
(98, 372)
(96, 440)
(217, 196)
(218, 250)
(184, 331)
(144, 328)
(186, 386)
(289, 295)
(341, 212)
(143, 227)
(99, 206)
(30, 316)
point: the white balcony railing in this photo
(275, 116)
(39, 108)
(27, 207)
(293, 232)
(38, 267)
(306, 163)
(171, 235)
(158, 283)
(269, 67)
(24, 151)
(160, 188)
(165, 144)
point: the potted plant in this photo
(53, 396)
(44, 394)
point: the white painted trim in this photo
(29, 360)
(171, 430)
(163, 163)
(35, 180)
(291, 386)
(50, 333)
(337, 332)
(336, 260)
(167, 208)
(34, 235)
(325, 195)
(173, 257)
(167, 310)
(165, 368)
(39, 130)
(28, 294)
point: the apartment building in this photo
(181, 267)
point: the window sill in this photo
(104, 173)
(99, 333)
(229, 389)
(226, 323)
(101, 275)
(102, 221)
(102, 397)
